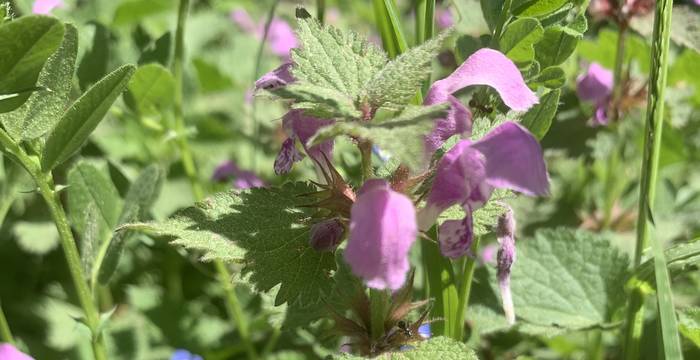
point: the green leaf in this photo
(399, 80)
(90, 238)
(152, 88)
(518, 39)
(139, 200)
(37, 238)
(25, 45)
(686, 72)
(689, 324)
(556, 46)
(330, 58)
(492, 12)
(264, 228)
(539, 118)
(569, 279)
(552, 77)
(440, 347)
(90, 189)
(74, 128)
(409, 126)
(680, 258)
(664, 299)
(158, 52)
(441, 284)
(319, 101)
(133, 11)
(211, 79)
(93, 66)
(467, 45)
(536, 7)
(44, 108)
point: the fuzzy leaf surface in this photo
(263, 228)
(440, 347)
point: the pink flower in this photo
(326, 235)
(302, 127)
(9, 352)
(444, 18)
(505, 231)
(596, 87)
(508, 157)
(382, 230)
(276, 78)
(484, 67)
(280, 35)
(44, 7)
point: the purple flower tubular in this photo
(484, 67)
(382, 230)
(280, 35)
(596, 87)
(505, 231)
(276, 78)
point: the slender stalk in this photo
(232, 303)
(429, 20)
(44, 182)
(366, 153)
(421, 9)
(441, 285)
(321, 10)
(5, 333)
(503, 20)
(465, 286)
(384, 26)
(650, 164)
(378, 301)
(618, 71)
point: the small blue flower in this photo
(181, 354)
(424, 331)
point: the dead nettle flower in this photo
(9, 352)
(508, 157)
(280, 35)
(242, 179)
(444, 18)
(382, 230)
(505, 232)
(44, 7)
(325, 236)
(601, 9)
(484, 67)
(595, 86)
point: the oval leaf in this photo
(82, 117)
(25, 45)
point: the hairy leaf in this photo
(319, 101)
(556, 46)
(689, 324)
(90, 189)
(152, 89)
(82, 117)
(399, 80)
(25, 45)
(552, 77)
(265, 228)
(435, 348)
(43, 108)
(330, 58)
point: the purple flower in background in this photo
(507, 157)
(488, 254)
(382, 230)
(484, 67)
(505, 231)
(9, 352)
(243, 179)
(595, 86)
(280, 35)
(696, 2)
(181, 354)
(302, 127)
(44, 7)
(444, 18)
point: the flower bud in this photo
(326, 235)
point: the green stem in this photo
(618, 71)
(5, 333)
(44, 182)
(503, 19)
(381, 17)
(421, 8)
(233, 308)
(441, 285)
(465, 286)
(378, 301)
(232, 303)
(366, 153)
(321, 10)
(650, 164)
